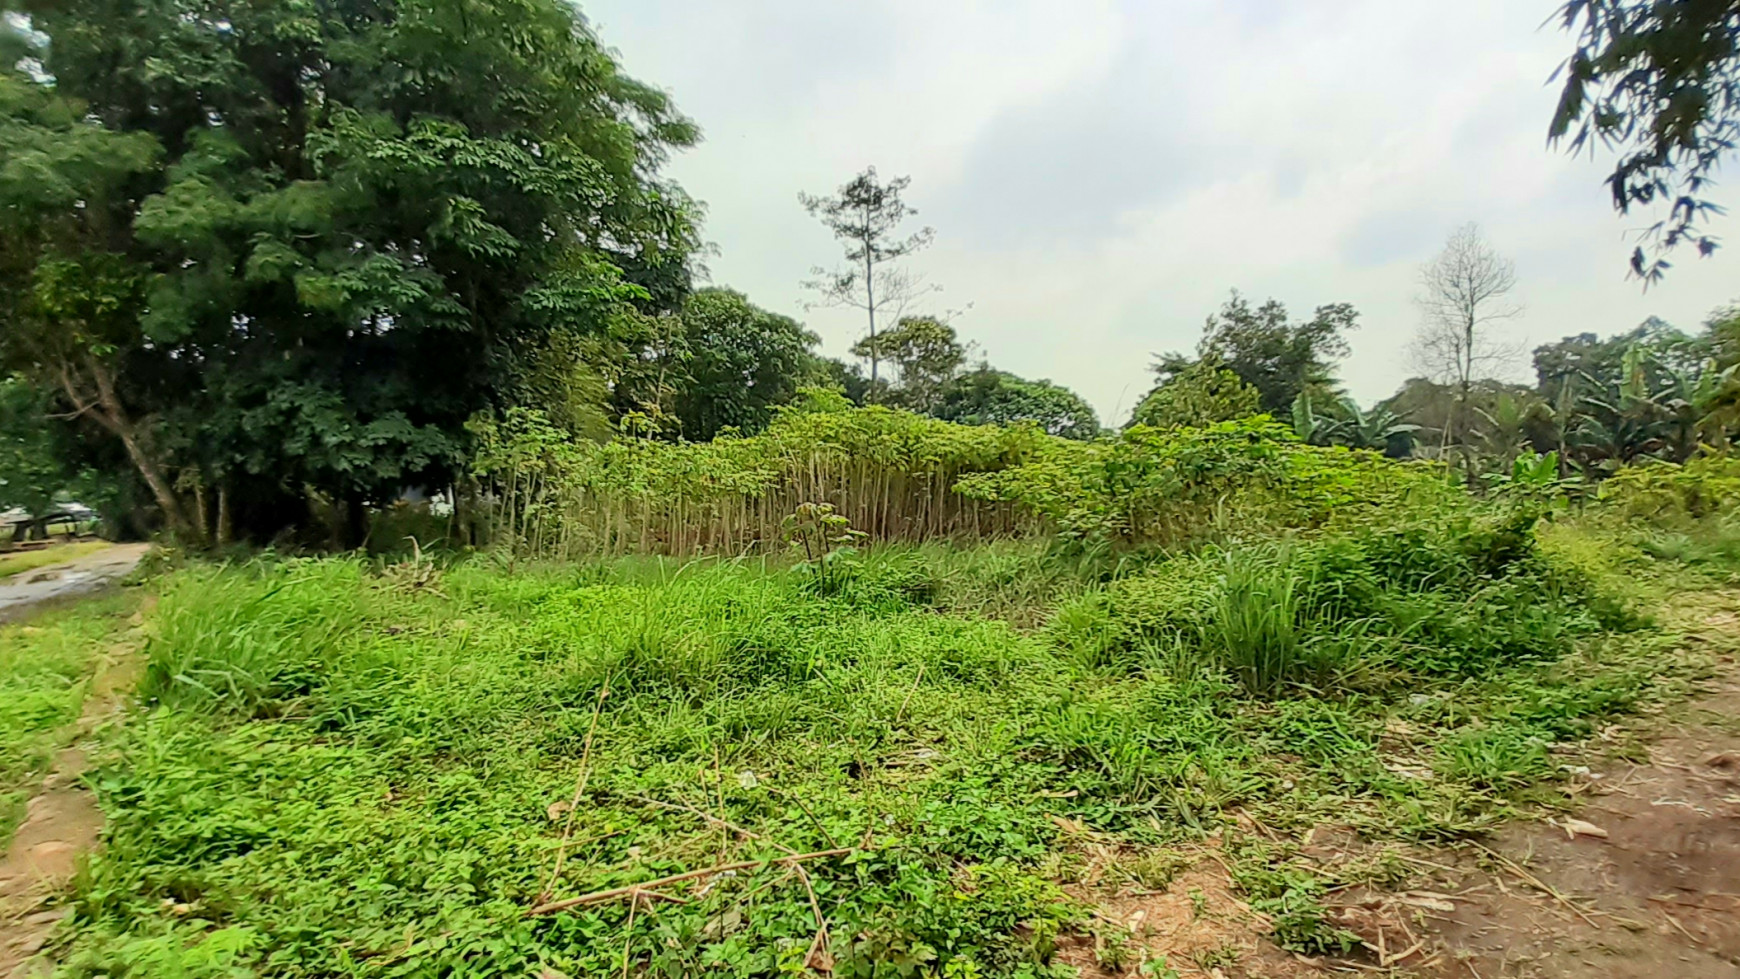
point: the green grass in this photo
(43, 668)
(21, 561)
(351, 772)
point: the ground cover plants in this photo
(44, 667)
(348, 766)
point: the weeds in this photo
(350, 770)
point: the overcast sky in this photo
(1100, 173)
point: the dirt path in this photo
(61, 823)
(1657, 895)
(1641, 882)
(26, 590)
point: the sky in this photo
(1101, 173)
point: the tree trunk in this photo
(201, 514)
(225, 523)
(870, 307)
(109, 413)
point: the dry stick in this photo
(1536, 882)
(616, 892)
(903, 704)
(628, 943)
(579, 790)
(715, 820)
(719, 791)
(820, 940)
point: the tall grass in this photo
(1255, 622)
(251, 639)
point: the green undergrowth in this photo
(43, 667)
(345, 769)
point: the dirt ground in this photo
(1642, 882)
(61, 824)
(25, 591)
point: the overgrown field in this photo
(345, 768)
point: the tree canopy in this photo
(276, 249)
(1659, 84)
(1278, 357)
(739, 362)
(987, 396)
(1197, 393)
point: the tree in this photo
(283, 252)
(1279, 358)
(866, 215)
(1195, 394)
(1465, 295)
(739, 363)
(1658, 82)
(927, 354)
(993, 397)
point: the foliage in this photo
(738, 364)
(866, 215)
(1347, 424)
(1173, 487)
(890, 473)
(992, 397)
(296, 247)
(1660, 84)
(1200, 393)
(1278, 357)
(824, 538)
(927, 354)
(1669, 494)
(31, 475)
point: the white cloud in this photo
(1101, 173)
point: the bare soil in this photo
(1641, 881)
(62, 823)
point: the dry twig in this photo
(631, 889)
(579, 790)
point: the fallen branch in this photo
(636, 889)
(579, 790)
(1540, 885)
(747, 834)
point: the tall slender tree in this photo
(866, 214)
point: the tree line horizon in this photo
(262, 266)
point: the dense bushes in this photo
(891, 473)
(1365, 607)
(897, 476)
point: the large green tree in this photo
(992, 397)
(738, 363)
(285, 250)
(926, 352)
(1268, 350)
